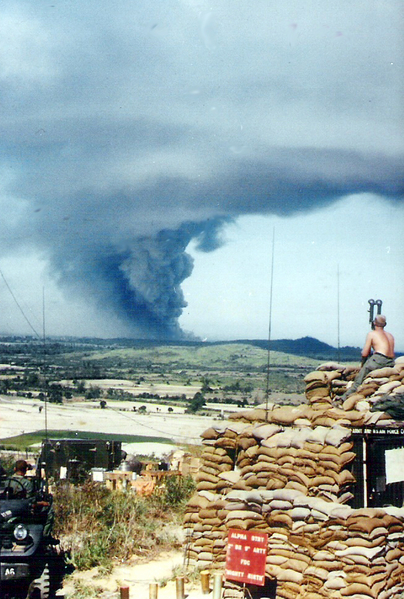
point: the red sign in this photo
(246, 556)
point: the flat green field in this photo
(23, 442)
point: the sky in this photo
(156, 159)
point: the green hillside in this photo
(232, 356)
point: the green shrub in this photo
(7, 461)
(96, 524)
(178, 490)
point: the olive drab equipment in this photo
(372, 305)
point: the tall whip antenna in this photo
(338, 320)
(45, 394)
(270, 326)
(44, 358)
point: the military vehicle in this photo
(31, 567)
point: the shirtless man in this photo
(382, 344)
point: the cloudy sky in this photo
(155, 157)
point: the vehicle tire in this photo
(40, 587)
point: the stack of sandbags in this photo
(378, 383)
(355, 553)
(244, 510)
(287, 471)
(337, 551)
(313, 461)
(193, 527)
(322, 388)
(307, 461)
(318, 388)
(215, 461)
(293, 558)
(297, 531)
(232, 590)
(356, 409)
(282, 415)
(372, 552)
(204, 525)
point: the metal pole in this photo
(180, 587)
(338, 320)
(365, 473)
(269, 328)
(217, 586)
(153, 590)
(371, 303)
(124, 591)
(205, 582)
(44, 360)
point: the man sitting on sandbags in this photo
(382, 344)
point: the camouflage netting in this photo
(289, 475)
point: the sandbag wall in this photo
(364, 407)
(288, 473)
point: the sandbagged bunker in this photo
(324, 483)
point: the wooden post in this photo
(124, 591)
(180, 587)
(153, 590)
(205, 582)
(217, 586)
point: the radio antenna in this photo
(338, 320)
(44, 359)
(270, 326)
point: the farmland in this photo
(162, 391)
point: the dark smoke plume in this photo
(128, 250)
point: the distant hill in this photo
(306, 346)
(309, 347)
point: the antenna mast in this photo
(44, 359)
(338, 320)
(270, 325)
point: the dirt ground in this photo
(19, 415)
(136, 575)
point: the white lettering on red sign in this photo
(239, 566)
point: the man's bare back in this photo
(380, 341)
(382, 344)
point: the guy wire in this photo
(270, 326)
(19, 306)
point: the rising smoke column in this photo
(139, 276)
(127, 251)
(150, 277)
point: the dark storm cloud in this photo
(129, 131)
(128, 248)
